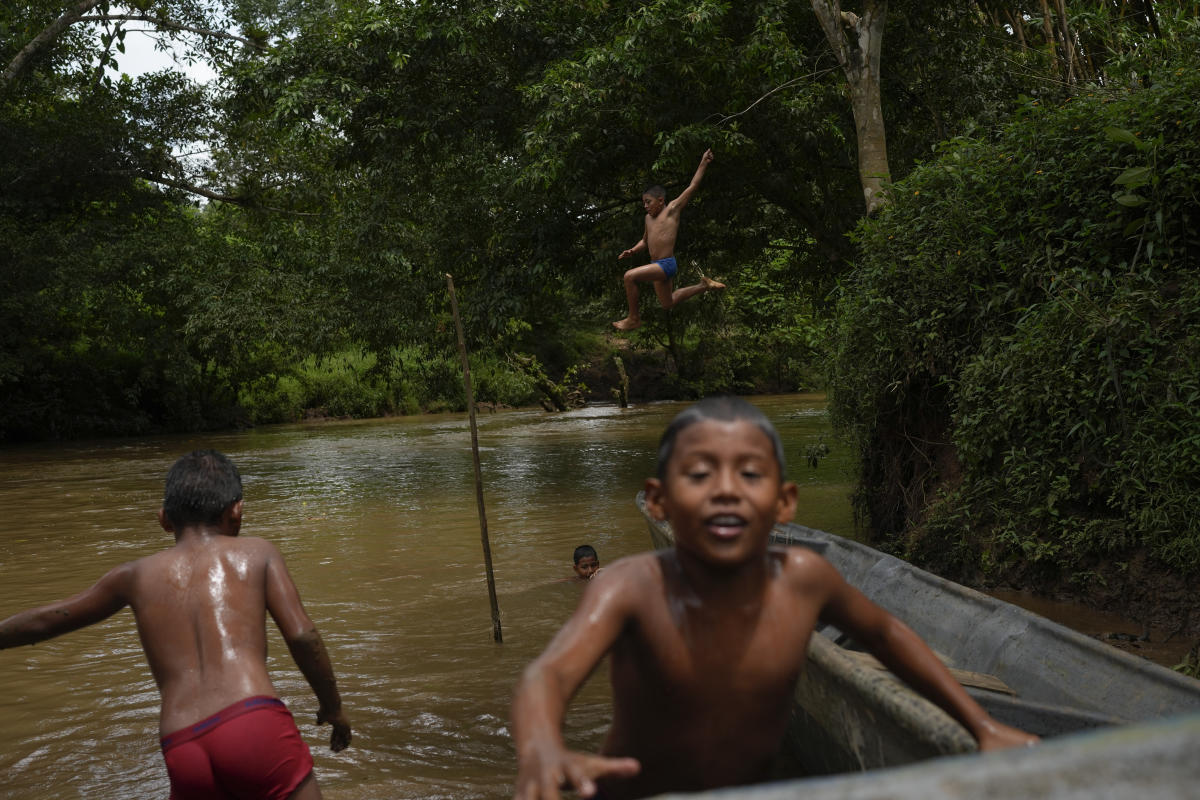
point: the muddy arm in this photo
(101, 601)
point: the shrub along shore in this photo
(1018, 359)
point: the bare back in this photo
(201, 614)
(701, 694)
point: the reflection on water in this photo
(379, 526)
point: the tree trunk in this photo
(79, 13)
(1048, 27)
(859, 57)
(43, 40)
(1018, 26)
(1151, 18)
(1070, 49)
(621, 390)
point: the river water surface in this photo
(379, 526)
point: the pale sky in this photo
(140, 57)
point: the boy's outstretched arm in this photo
(101, 601)
(544, 764)
(910, 659)
(307, 649)
(641, 245)
(686, 195)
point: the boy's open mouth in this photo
(725, 526)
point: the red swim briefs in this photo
(250, 749)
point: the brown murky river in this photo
(379, 526)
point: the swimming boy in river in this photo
(658, 239)
(201, 609)
(587, 564)
(707, 639)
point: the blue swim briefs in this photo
(668, 265)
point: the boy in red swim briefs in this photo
(201, 611)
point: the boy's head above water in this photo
(200, 487)
(587, 562)
(717, 409)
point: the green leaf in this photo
(1120, 135)
(1134, 177)
(1130, 200)
(1134, 226)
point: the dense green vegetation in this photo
(1013, 335)
(178, 256)
(1019, 345)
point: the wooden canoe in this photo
(1148, 761)
(1025, 670)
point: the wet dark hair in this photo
(585, 550)
(200, 486)
(655, 191)
(722, 409)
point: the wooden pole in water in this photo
(483, 531)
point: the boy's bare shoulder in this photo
(622, 591)
(804, 568)
(259, 544)
(257, 551)
(631, 577)
(636, 567)
(120, 579)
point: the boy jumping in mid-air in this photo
(662, 226)
(707, 639)
(201, 609)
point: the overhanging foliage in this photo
(1019, 346)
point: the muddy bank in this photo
(1161, 603)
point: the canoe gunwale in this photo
(1043, 660)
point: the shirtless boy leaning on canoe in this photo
(707, 639)
(201, 611)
